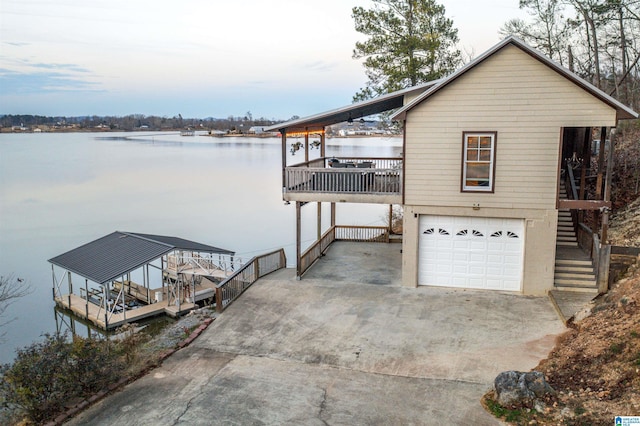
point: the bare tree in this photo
(10, 289)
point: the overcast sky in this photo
(198, 58)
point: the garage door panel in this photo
(471, 252)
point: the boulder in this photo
(513, 387)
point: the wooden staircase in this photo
(574, 269)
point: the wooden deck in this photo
(96, 315)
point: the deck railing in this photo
(363, 175)
(378, 234)
(231, 288)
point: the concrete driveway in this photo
(345, 346)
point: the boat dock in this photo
(176, 275)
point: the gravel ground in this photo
(174, 333)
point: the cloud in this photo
(13, 82)
(22, 76)
(319, 66)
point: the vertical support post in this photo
(219, 307)
(86, 302)
(306, 146)
(284, 156)
(124, 305)
(70, 287)
(586, 164)
(604, 262)
(319, 230)
(607, 189)
(390, 219)
(298, 240)
(105, 297)
(53, 278)
(322, 144)
(333, 214)
(603, 139)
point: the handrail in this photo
(572, 182)
(259, 266)
(316, 250)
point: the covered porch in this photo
(340, 179)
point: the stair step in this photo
(575, 269)
(566, 244)
(593, 290)
(574, 262)
(567, 239)
(589, 278)
(566, 234)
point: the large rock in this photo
(513, 387)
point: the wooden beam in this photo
(583, 204)
(306, 147)
(319, 221)
(284, 156)
(298, 240)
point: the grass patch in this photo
(520, 416)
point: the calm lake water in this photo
(59, 191)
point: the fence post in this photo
(219, 307)
(604, 261)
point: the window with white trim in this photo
(478, 161)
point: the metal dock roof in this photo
(118, 253)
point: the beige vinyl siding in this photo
(521, 99)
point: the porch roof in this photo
(354, 111)
(118, 253)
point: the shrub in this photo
(47, 375)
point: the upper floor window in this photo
(478, 158)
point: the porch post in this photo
(607, 189)
(298, 240)
(603, 138)
(390, 218)
(333, 214)
(306, 145)
(319, 230)
(322, 144)
(586, 163)
(283, 132)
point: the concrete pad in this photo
(337, 348)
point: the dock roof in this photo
(118, 253)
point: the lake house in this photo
(495, 178)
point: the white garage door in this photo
(485, 253)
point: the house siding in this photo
(527, 104)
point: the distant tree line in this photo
(239, 124)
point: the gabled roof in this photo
(118, 253)
(623, 112)
(354, 111)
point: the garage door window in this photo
(478, 157)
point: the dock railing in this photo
(231, 288)
(362, 234)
